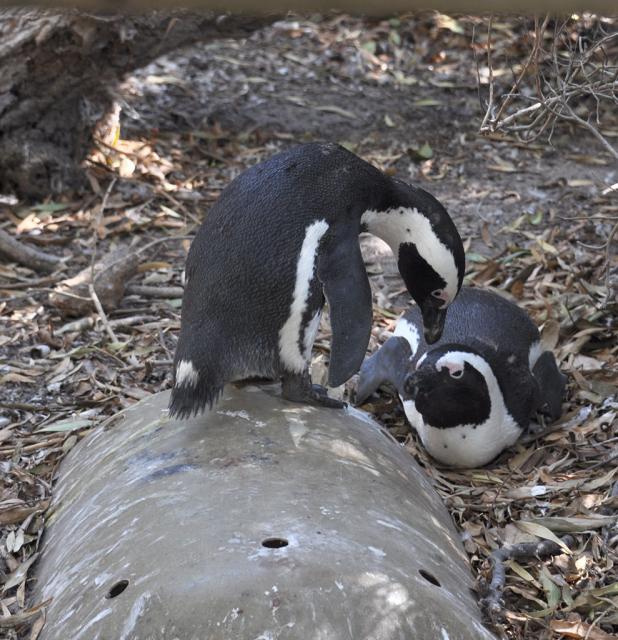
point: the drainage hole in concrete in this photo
(117, 589)
(429, 577)
(275, 543)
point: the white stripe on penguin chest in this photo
(292, 334)
(469, 445)
(407, 330)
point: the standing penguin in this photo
(282, 237)
(474, 392)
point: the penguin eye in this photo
(457, 373)
(437, 294)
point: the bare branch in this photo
(491, 603)
(490, 102)
(532, 57)
(565, 80)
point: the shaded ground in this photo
(402, 94)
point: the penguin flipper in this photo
(389, 364)
(341, 271)
(552, 383)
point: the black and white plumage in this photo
(282, 237)
(471, 394)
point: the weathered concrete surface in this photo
(174, 530)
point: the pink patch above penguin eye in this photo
(440, 294)
(455, 369)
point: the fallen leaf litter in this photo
(61, 375)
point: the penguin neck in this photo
(399, 226)
(395, 225)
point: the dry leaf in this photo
(542, 532)
(20, 574)
(578, 629)
(16, 377)
(550, 335)
(573, 524)
(335, 109)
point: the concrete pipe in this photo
(259, 520)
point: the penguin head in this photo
(451, 386)
(456, 404)
(431, 258)
(432, 284)
(429, 251)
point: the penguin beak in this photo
(418, 384)
(433, 321)
(410, 386)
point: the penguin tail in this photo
(551, 383)
(389, 364)
(185, 402)
(195, 388)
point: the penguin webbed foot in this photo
(318, 395)
(536, 427)
(298, 388)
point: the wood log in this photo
(72, 297)
(15, 250)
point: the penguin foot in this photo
(538, 428)
(298, 388)
(320, 397)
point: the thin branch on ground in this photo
(490, 100)
(491, 603)
(149, 291)
(96, 223)
(99, 307)
(28, 256)
(93, 294)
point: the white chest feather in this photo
(465, 445)
(311, 331)
(405, 225)
(291, 335)
(536, 350)
(407, 330)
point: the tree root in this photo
(492, 603)
(147, 291)
(29, 257)
(48, 127)
(108, 277)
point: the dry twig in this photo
(491, 602)
(23, 254)
(155, 292)
(559, 83)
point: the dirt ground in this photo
(404, 95)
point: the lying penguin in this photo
(474, 392)
(282, 237)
